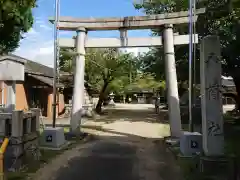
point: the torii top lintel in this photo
(130, 22)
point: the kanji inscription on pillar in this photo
(211, 85)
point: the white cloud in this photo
(47, 49)
(37, 44)
(42, 53)
(45, 27)
(32, 32)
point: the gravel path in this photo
(126, 146)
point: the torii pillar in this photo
(78, 90)
(171, 82)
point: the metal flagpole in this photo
(190, 63)
(56, 52)
(194, 93)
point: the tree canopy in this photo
(101, 65)
(106, 70)
(145, 82)
(15, 19)
(109, 70)
(221, 18)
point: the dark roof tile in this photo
(34, 67)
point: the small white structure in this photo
(11, 70)
(111, 103)
(191, 143)
(53, 137)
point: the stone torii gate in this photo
(168, 40)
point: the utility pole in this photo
(130, 73)
(56, 57)
(190, 64)
(194, 83)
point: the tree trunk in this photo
(237, 84)
(101, 98)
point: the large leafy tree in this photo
(145, 81)
(15, 19)
(104, 66)
(105, 69)
(153, 61)
(221, 18)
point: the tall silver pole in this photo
(58, 47)
(56, 56)
(194, 56)
(190, 62)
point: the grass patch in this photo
(31, 166)
(190, 167)
(232, 134)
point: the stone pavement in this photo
(127, 145)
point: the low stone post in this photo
(37, 114)
(17, 123)
(4, 119)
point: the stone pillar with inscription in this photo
(211, 97)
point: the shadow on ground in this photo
(118, 151)
(119, 158)
(105, 159)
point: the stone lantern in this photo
(112, 103)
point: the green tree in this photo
(66, 60)
(221, 18)
(105, 69)
(145, 81)
(153, 61)
(118, 85)
(15, 19)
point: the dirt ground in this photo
(127, 145)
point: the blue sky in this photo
(38, 42)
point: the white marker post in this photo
(212, 120)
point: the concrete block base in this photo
(53, 137)
(191, 143)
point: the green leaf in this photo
(15, 19)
